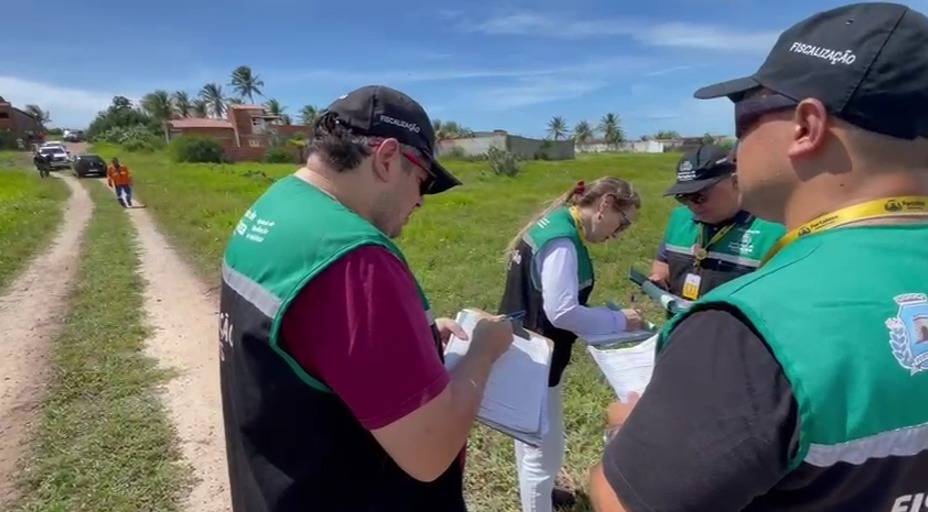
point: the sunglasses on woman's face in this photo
(748, 111)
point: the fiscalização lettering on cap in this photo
(686, 172)
(846, 57)
(413, 127)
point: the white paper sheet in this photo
(627, 369)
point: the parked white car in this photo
(59, 156)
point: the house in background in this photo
(522, 147)
(247, 133)
(22, 125)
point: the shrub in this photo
(456, 153)
(132, 138)
(279, 156)
(503, 162)
(188, 148)
(7, 139)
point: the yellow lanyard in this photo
(902, 206)
(700, 251)
(575, 213)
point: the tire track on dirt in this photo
(32, 312)
(183, 312)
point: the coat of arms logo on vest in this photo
(908, 332)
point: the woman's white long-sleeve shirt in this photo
(557, 264)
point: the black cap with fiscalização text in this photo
(701, 168)
(379, 111)
(867, 63)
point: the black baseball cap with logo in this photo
(701, 168)
(379, 111)
(867, 62)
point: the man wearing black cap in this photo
(802, 386)
(709, 240)
(334, 393)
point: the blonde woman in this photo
(550, 277)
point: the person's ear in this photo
(810, 128)
(605, 203)
(385, 160)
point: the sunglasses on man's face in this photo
(695, 198)
(748, 111)
(429, 179)
(414, 159)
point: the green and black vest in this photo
(523, 283)
(292, 444)
(845, 313)
(739, 252)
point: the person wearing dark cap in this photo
(334, 393)
(801, 386)
(709, 240)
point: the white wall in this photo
(472, 146)
(638, 146)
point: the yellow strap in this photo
(575, 213)
(701, 251)
(902, 206)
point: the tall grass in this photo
(30, 210)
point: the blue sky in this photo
(487, 65)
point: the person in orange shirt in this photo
(117, 175)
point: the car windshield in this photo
(94, 159)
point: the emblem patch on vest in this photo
(908, 332)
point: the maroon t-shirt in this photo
(359, 327)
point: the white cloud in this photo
(596, 67)
(69, 107)
(673, 34)
(531, 92)
(667, 71)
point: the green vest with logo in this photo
(737, 253)
(292, 444)
(523, 283)
(277, 249)
(560, 224)
(845, 313)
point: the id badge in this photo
(691, 286)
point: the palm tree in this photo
(212, 93)
(246, 83)
(235, 101)
(557, 127)
(158, 105)
(308, 115)
(583, 133)
(199, 108)
(42, 116)
(274, 108)
(182, 105)
(286, 119)
(611, 127)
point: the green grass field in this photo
(103, 441)
(30, 210)
(454, 245)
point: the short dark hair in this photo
(335, 143)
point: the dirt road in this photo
(183, 312)
(31, 314)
